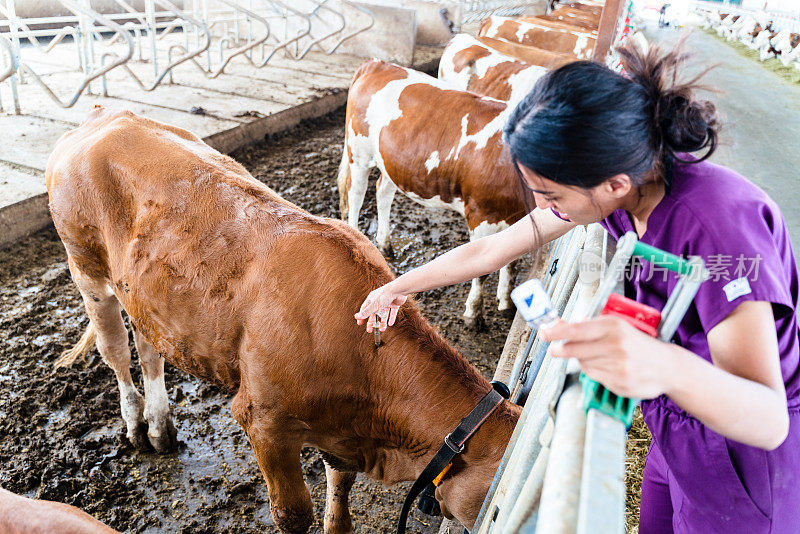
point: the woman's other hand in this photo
(614, 353)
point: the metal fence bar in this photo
(512, 503)
(323, 26)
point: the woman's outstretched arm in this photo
(465, 262)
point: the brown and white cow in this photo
(578, 43)
(440, 146)
(573, 15)
(592, 9)
(529, 54)
(470, 65)
(235, 285)
(20, 515)
(787, 47)
(567, 18)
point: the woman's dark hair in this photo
(584, 123)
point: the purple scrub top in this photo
(713, 212)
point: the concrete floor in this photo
(761, 119)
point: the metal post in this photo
(150, 15)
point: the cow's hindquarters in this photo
(147, 420)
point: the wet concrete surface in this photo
(61, 434)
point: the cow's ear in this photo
(445, 512)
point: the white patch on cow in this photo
(384, 107)
(581, 46)
(521, 31)
(360, 148)
(433, 161)
(447, 69)
(156, 407)
(494, 26)
(486, 63)
(482, 136)
(436, 202)
(522, 82)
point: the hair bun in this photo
(686, 125)
(681, 122)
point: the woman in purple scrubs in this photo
(723, 400)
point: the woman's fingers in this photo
(393, 315)
(589, 330)
(581, 350)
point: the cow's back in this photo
(439, 152)
(177, 230)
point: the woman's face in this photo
(582, 206)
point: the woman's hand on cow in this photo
(613, 352)
(379, 300)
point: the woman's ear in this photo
(617, 186)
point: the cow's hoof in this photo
(387, 251)
(477, 323)
(138, 437)
(508, 313)
(167, 439)
(337, 525)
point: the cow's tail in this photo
(343, 182)
(85, 344)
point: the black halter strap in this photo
(453, 446)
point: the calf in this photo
(442, 147)
(235, 285)
(20, 515)
(470, 65)
(578, 43)
(725, 24)
(763, 43)
(787, 46)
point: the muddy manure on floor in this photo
(61, 434)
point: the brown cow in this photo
(20, 515)
(448, 155)
(565, 41)
(235, 285)
(529, 54)
(470, 65)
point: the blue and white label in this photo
(737, 288)
(533, 302)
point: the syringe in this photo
(380, 315)
(534, 304)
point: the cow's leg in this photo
(473, 315)
(355, 194)
(504, 287)
(161, 432)
(385, 191)
(337, 507)
(103, 310)
(276, 442)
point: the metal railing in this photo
(206, 33)
(477, 10)
(538, 484)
